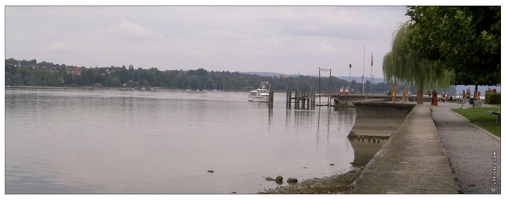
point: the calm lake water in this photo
(112, 141)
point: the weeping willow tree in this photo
(406, 65)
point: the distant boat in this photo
(261, 94)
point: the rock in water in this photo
(269, 179)
(291, 180)
(279, 179)
(210, 171)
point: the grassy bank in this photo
(480, 117)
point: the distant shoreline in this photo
(39, 87)
(117, 88)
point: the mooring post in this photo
(314, 100)
(303, 98)
(271, 97)
(296, 98)
(299, 90)
(290, 98)
(308, 99)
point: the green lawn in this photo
(493, 128)
(480, 117)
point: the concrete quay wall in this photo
(379, 118)
(413, 161)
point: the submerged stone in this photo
(279, 180)
(291, 180)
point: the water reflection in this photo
(165, 142)
(328, 120)
(326, 124)
(271, 113)
(375, 123)
(365, 147)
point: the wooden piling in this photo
(295, 98)
(309, 99)
(288, 98)
(303, 98)
(314, 99)
(271, 97)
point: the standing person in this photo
(434, 98)
(394, 93)
(404, 92)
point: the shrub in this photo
(493, 98)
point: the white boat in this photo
(261, 94)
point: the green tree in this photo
(115, 82)
(464, 39)
(404, 66)
(121, 73)
(11, 62)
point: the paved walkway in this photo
(469, 149)
(411, 162)
(434, 153)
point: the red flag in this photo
(371, 60)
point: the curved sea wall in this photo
(375, 122)
(379, 118)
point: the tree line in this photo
(31, 73)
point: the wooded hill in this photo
(31, 73)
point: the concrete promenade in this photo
(470, 150)
(413, 161)
(434, 153)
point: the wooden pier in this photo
(302, 99)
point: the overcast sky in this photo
(283, 39)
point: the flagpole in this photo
(363, 75)
(372, 77)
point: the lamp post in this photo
(347, 90)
